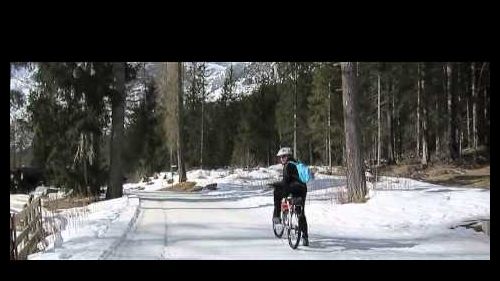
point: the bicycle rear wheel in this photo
(294, 232)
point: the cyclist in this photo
(290, 184)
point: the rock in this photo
(476, 225)
(212, 186)
(486, 227)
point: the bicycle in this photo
(291, 210)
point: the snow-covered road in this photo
(146, 238)
(222, 226)
(192, 226)
(403, 219)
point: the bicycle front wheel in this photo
(294, 232)
(279, 228)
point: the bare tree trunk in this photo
(201, 145)
(329, 149)
(482, 105)
(171, 158)
(446, 109)
(424, 120)
(452, 70)
(390, 151)
(295, 116)
(456, 101)
(356, 183)
(400, 143)
(424, 138)
(447, 74)
(325, 156)
(174, 96)
(393, 131)
(460, 144)
(486, 119)
(418, 109)
(437, 131)
(468, 125)
(180, 138)
(485, 105)
(474, 106)
(374, 148)
(378, 122)
(115, 190)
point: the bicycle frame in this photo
(288, 212)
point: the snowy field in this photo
(403, 219)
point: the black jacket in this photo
(290, 173)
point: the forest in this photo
(92, 124)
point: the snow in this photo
(17, 202)
(403, 219)
(89, 238)
(48, 191)
(217, 73)
(22, 80)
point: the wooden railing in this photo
(29, 222)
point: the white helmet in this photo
(284, 151)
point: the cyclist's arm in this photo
(277, 184)
(291, 174)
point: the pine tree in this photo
(202, 73)
(319, 104)
(226, 119)
(115, 188)
(174, 93)
(67, 114)
(356, 183)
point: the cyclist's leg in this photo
(300, 190)
(302, 219)
(278, 195)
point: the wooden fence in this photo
(29, 223)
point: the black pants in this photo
(297, 190)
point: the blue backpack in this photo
(305, 174)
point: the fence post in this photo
(32, 232)
(13, 236)
(11, 248)
(40, 219)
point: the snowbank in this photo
(89, 238)
(17, 202)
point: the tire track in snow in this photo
(146, 240)
(130, 228)
(165, 237)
